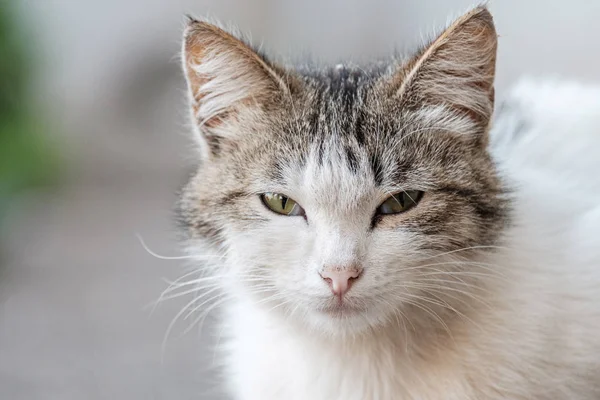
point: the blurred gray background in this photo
(74, 279)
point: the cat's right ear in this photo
(230, 85)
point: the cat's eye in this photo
(281, 204)
(400, 202)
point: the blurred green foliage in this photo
(27, 158)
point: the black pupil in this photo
(284, 201)
(401, 199)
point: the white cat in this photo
(367, 245)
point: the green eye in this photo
(400, 202)
(281, 204)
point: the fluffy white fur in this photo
(536, 337)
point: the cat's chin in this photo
(343, 320)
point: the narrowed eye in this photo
(400, 202)
(281, 204)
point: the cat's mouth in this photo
(340, 310)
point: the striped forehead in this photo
(336, 176)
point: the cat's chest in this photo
(268, 363)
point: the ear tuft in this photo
(189, 19)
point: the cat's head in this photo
(346, 197)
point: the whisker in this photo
(174, 320)
(430, 312)
(442, 290)
(463, 273)
(281, 303)
(211, 278)
(161, 257)
(202, 317)
(190, 291)
(460, 314)
(481, 247)
(438, 283)
(199, 306)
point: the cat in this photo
(376, 233)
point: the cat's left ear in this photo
(453, 77)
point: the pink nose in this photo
(340, 279)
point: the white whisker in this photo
(161, 257)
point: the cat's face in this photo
(375, 180)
